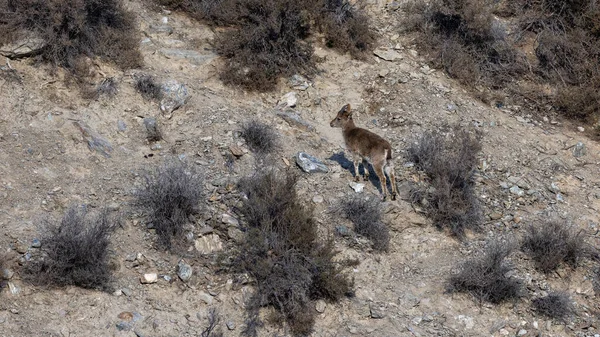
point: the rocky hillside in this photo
(58, 149)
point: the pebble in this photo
(230, 325)
(320, 306)
(517, 191)
(522, 332)
(376, 313)
(36, 243)
(126, 291)
(288, 100)
(317, 199)
(229, 220)
(579, 150)
(184, 271)
(310, 164)
(206, 298)
(7, 274)
(149, 278)
(357, 187)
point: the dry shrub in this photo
(213, 321)
(74, 29)
(282, 252)
(449, 161)
(554, 305)
(75, 251)
(146, 85)
(170, 195)
(366, 214)
(486, 277)
(266, 39)
(553, 243)
(260, 137)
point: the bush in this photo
(555, 305)
(171, 194)
(552, 243)
(366, 215)
(260, 137)
(75, 252)
(283, 253)
(485, 277)
(74, 29)
(147, 87)
(449, 162)
(213, 322)
(267, 39)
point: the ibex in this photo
(364, 144)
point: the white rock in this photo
(208, 244)
(357, 187)
(149, 278)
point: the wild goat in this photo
(364, 144)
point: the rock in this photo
(376, 313)
(342, 230)
(495, 215)
(126, 316)
(94, 140)
(153, 133)
(192, 56)
(124, 326)
(579, 150)
(35, 243)
(235, 234)
(288, 100)
(310, 164)
(236, 151)
(517, 191)
(13, 288)
(357, 187)
(160, 29)
(206, 298)
(467, 321)
(317, 199)
(580, 129)
(387, 54)
(521, 182)
(320, 306)
(7, 274)
(229, 220)
(126, 291)
(230, 325)
(184, 271)
(25, 47)
(149, 278)
(299, 82)
(293, 119)
(174, 96)
(208, 244)
(522, 332)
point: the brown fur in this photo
(368, 146)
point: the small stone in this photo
(376, 313)
(517, 191)
(310, 164)
(236, 151)
(123, 326)
(149, 278)
(230, 325)
(184, 271)
(229, 220)
(7, 274)
(317, 199)
(320, 306)
(504, 332)
(152, 130)
(580, 129)
(208, 244)
(126, 291)
(288, 100)
(126, 316)
(357, 187)
(174, 96)
(121, 126)
(535, 325)
(35, 243)
(495, 215)
(167, 278)
(417, 320)
(236, 234)
(13, 288)
(206, 298)
(117, 292)
(299, 82)
(342, 230)
(387, 54)
(522, 332)
(579, 150)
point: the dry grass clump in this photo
(267, 39)
(486, 277)
(72, 30)
(147, 87)
(260, 137)
(554, 305)
(449, 161)
(553, 243)
(467, 40)
(170, 195)
(366, 214)
(282, 252)
(75, 251)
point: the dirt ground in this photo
(46, 165)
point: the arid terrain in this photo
(530, 170)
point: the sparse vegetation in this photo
(260, 137)
(269, 36)
(147, 87)
(72, 30)
(553, 243)
(483, 44)
(107, 87)
(75, 251)
(486, 277)
(554, 305)
(449, 160)
(284, 255)
(170, 195)
(213, 321)
(366, 215)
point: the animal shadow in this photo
(348, 165)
